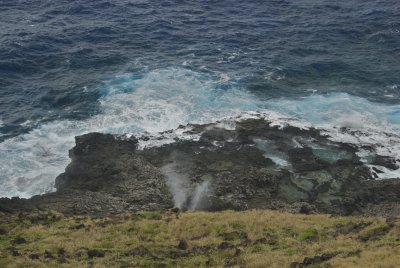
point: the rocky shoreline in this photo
(240, 164)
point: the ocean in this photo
(70, 67)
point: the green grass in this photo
(256, 238)
(310, 234)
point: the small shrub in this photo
(237, 225)
(310, 234)
(259, 248)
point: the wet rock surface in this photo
(251, 164)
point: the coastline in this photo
(247, 163)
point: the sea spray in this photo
(164, 99)
(177, 185)
(199, 193)
(159, 100)
(186, 194)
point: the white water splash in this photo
(184, 194)
(160, 100)
(167, 98)
(200, 192)
(177, 184)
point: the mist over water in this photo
(73, 67)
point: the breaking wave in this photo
(164, 99)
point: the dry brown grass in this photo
(256, 238)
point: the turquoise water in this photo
(72, 67)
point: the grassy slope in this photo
(258, 238)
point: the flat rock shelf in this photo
(246, 164)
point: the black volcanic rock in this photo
(105, 176)
(18, 240)
(250, 165)
(95, 253)
(303, 159)
(386, 161)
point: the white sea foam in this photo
(167, 98)
(160, 100)
(277, 119)
(276, 156)
(159, 139)
(351, 119)
(1, 125)
(344, 118)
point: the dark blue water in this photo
(69, 67)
